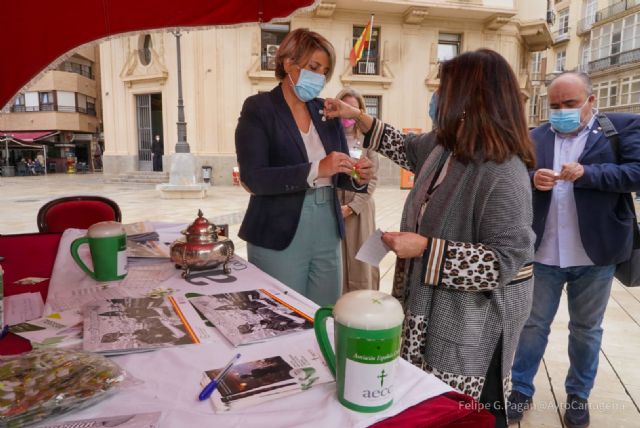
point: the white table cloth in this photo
(170, 378)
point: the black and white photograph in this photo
(123, 325)
(251, 316)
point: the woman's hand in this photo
(334, 163)
(338, 108)
(406, 245)
(365, 171)
(346, 211)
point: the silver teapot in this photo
(201, 248)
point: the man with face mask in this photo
(584, 228)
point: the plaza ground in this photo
(615, 400)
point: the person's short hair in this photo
(350, 92)
(299, 45)
(584, 77)
(481, 110)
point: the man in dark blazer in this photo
(584, 227)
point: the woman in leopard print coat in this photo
(464, 270)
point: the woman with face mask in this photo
(358, 209)
(292, 160)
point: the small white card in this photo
(373, 250)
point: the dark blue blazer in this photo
(274, 167)
(604, 218)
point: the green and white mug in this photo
(368, 328)
(108, 245)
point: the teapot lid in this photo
(201, 227)
(368, 310)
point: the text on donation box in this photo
(369, 376)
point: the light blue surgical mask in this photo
(565, 120)
(309, 85)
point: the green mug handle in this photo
(320, 328)
(74, 253)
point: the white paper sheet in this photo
(23, 307)
(373, 250)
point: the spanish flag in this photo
(358, 48)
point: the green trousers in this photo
(312, 263)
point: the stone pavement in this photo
(615, 399)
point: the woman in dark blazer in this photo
(291, 160)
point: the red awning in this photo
(34, 36)
(27, 136)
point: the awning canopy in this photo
(36, 36)
(28, 136)
(12, 143)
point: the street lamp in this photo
(181, 146)
(182, 175)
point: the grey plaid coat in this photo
(474, 283)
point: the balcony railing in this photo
(622, 58)
(585, 24)
(52, 107)
(582, 68)
(267, 63)
(561, 35)
(81, 69)
(615, 9)
(68, 109)
(536, 76)
(369, 67)
(632, 108)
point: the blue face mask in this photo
(565, 120)
(309, 85)
(433, 107)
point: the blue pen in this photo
(208, 390)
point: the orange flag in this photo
(363, 40)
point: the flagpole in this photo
(369, 44)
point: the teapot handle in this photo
(320, 328)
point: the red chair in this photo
(78, 212)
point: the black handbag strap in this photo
(612, 135)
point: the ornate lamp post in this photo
(181, 146)
(182, 175)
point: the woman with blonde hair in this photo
(292, 160)
(358, 209)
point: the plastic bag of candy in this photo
(45, 383)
